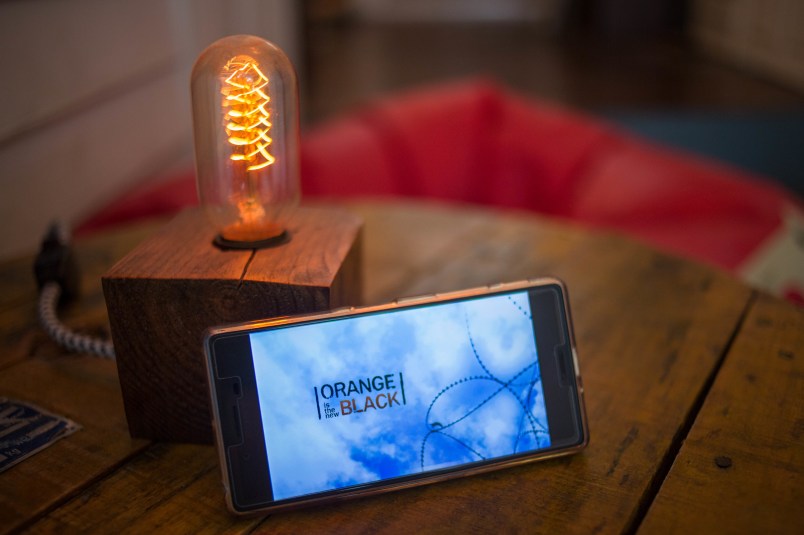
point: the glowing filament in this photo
(248, 123)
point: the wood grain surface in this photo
(740, 469)
(654, 334)
(83, 388)
(164, 295)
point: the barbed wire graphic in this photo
(520, 385)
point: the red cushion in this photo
(149, 200)
(679, 203)
(473, 142)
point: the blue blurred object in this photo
(768, 143)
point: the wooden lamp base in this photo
(165, 294)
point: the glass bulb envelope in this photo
(246, 130)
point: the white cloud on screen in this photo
(432, 350)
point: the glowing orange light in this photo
(248, 119)
(245, 94)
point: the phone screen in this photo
(352, 401)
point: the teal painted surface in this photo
(767, 143)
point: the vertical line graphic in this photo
(402, 386)
(317, 403)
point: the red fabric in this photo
(470, 143)
(150, 200)
(474, 143)
(694, 208)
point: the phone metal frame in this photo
(374, 488)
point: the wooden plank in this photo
(84, 389)
(410, 242)
(17, 309)
(170, 488)
(20, 334)
(164, 295)
(650, 329)
(740, 469)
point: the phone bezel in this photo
(575, 386)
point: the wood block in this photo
(165, 294)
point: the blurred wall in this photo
(453, 10)
(94, 97)
(763, 36)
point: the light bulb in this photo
(246, 129)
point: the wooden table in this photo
(682, 365)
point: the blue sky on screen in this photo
(461, 403)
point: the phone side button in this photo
(575, 361)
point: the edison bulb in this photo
(246, 130)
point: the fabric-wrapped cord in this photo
(64, 336)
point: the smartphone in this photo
(323, 407)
